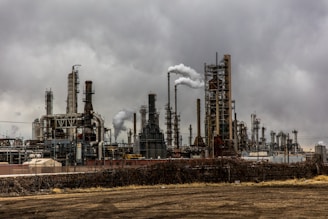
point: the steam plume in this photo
(185, 71)
(191, 78)
(189, 82)
(118, 121)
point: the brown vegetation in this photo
(302, 198)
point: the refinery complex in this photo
(78, 138)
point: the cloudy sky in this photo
(278, 48)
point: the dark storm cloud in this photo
(278, 52)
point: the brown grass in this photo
(321, 179)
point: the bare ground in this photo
(236, 200)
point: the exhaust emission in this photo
(191, 78)
(118, 121)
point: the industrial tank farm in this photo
(81, 138)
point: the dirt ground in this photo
(236, 200)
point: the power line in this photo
(6, 121)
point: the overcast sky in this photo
(278, 49)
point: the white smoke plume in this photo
(191, 78)
(118, 121)
(185, 71)
(189, 82)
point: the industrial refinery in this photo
(83, 138)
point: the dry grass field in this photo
(304, 198)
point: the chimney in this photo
(151, 109)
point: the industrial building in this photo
(151, 139)
(218, 107)
(74, 138)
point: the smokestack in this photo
(49, 102)
(168, 114)
(88, 104)
(176, 120)
(263, 135)
(88, 108)
(134, 127)
(198, 140)
(190, 134)
(151, 109)
(198, 117)
(273, 136)
(295, 136)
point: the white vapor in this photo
(185, 71)
(189, 82)
(191, 78)
(118, 121)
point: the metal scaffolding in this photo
(218, 105)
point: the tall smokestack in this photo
(49, 102)
(198, 140)
(198, 117)
(88, 108)
(88, 97)
(168, 114)
(134, 127)
(190, 135)
(176, 118)
(152, 109)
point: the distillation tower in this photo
(152, 144)
(218, 106)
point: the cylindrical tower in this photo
(273, 136)
(49, 102)
(134, 127)
(168, 115)
(72, 90)
(176, 119)
(152, 109)
(88, 108)
(36, 130)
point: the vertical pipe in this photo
(134, 127)
(235, 133)
(206, 119)
(152, 109)
(228, 67)
(176, 116)
(217, 114)
(190, 135)
(169, 119)
(198, 118)
(263, 136)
